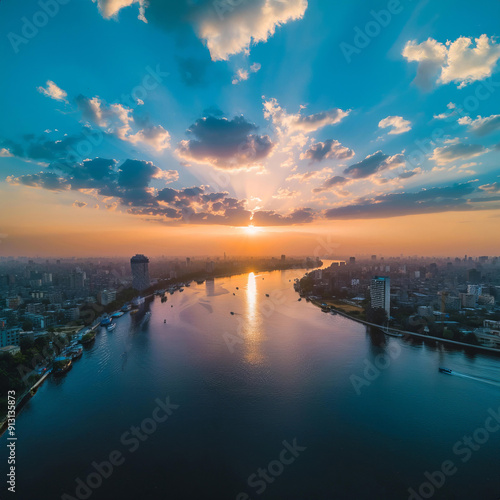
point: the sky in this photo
(251, 127)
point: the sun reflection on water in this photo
(253, 324)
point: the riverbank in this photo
(413, 334)
(25, 397)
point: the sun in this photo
(251, 229)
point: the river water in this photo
(278, 401)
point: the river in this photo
(324, 408)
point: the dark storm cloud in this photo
(328, 150)
(272, 218)
(45, 180)
(330, 183)
(129, 184)
(372, 164)
(40, 148)
(427, 201)
(225, 144)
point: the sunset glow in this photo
(246, 136)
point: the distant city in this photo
(40, 297)
(453, 299)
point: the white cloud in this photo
(167, 175)
(397, 124)
(233, 32)
(293, 123)
(463, 61)
(456, 152)
(53, 91)
(310, 175)
(118, 120)
(226, 27)
(4, 153)
(242, 74)
(481, 126)
(110, 8)
(284, 193)
(444, 116)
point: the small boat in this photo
(267, 295)
(75, 353)
(117, 314)
(300, 298)
(111, 327)
(390, 332)
(61, 366)
(232, 313)
(145, 319)
(88, 338)
(126, 308)
(134, 311)
(393, 334)
(200, 282)
(446, 370)
(237, 288)
(164, 321)
(105, 321)
(172, 305)
(234, 293)
(181, 289)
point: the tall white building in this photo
(140, 272)
(380, 293)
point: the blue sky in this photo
(255, 105)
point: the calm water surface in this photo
(277, 370)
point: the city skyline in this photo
(256, 128)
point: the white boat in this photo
(111, 327)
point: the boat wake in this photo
(477, 379)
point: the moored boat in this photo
(105, 321)
(88, 338)
(111, 327)
(61, 365)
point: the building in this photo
(35, 308)
(283, 258)
(106, 297)
(10, 337)
(10, 349)
(475, 290)
(140, 272)
(468, 300)
(352, 260)
(380, 293)
(473, 276)
(71, 314)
